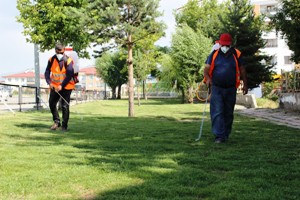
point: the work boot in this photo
(55, 126)
(219, 140)
(64, 129)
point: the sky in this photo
(17, 55)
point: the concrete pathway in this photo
(277, 116)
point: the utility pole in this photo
(37, 71)
(37, 74)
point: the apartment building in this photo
(276, 45)
(90, 81)
(26, 78)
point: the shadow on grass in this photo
(258, 162)
(161, 102)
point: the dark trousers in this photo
(53, 100)
(221, 110)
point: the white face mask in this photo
(59, 56)
(224, 49)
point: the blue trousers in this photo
(222, 103)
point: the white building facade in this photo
(276, 45)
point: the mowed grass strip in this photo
(107, 155)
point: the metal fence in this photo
(20, 98)
(290, 81)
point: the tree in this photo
(189, 52)
(141, 69)
(202, 15)
(145, 60)
(161, 52)
(287, 21)
(112, 69)
(246, 30)
(46, 22)
(121, 23)
(168, 74)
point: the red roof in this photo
(29, 74)
(88, 70)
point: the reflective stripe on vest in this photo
(237, 69)
(58, 75)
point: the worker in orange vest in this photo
(223, 71)
(59, 76)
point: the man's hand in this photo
(52, 87)
(59, 88)
(207, 79)
(208, 82)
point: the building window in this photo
(271, 43)
(273, 60)
(287, 60)
(30, 79)
(269, 9)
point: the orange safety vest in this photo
(58, 75)
(235, 56)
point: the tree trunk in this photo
(190, 95)
(143, 83)
(113, 90)
(119, 92)
(182, 95)
(130, 79)
(145, 90)
(138, 93)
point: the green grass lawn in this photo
(107, 155)
(266, 103)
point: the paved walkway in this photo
(278, 116)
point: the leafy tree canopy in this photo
(145, 56)
(111, 67)
(121, 23)
(246, 30)
(111, 22)
(287, 20)
(202, 15)
(189, 51)
(46, 22)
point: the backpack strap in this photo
(65, 60)
(75, 76)
(212, 65)
(236, 55)
(52, 60)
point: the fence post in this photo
(20, 98)
(37, 99)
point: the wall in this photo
(247, 100)
(290, 101)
